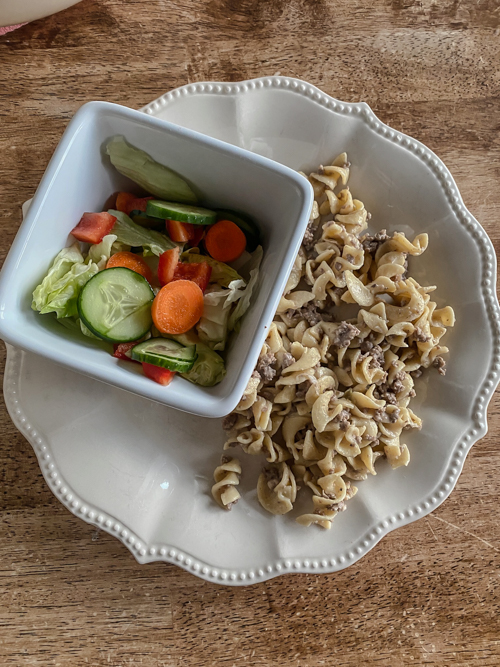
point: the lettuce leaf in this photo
(101, 252)
(58, 292)
(213, 325)
(154, 177)
(222, 273)
(76, 325)
(244, 302)
(131, 234)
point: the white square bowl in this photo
(80, 178)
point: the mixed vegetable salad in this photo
(163, 279)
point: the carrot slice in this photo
(123, 199)
(130, 261)
(225, 241)
(177, 307)
(167, 264)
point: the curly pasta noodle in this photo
(227, 478)
(330, 396)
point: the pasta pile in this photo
(330, 394)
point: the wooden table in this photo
(428, 594)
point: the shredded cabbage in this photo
(244, 302)
(218, 319)
(212, 327)
(101, 252)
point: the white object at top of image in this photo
(13, 12)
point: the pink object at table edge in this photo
(9, 28)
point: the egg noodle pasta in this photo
(331, 395)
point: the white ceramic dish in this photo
(225, 176)
(154, 496)
(22, 11)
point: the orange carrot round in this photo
(123, 200)
(225, 241)
(177, 307)
(130, 261)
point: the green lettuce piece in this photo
(76, 325)
(101, 252)
(131, 234)
(59, 290)
(155, 178)
(209, 368)
(59, 267)
(70, 323)
(86, 331)
(222, 273)
(213, 325)
(244, 302)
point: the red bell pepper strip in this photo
(198, 273)
(161, 375)
(93, 227)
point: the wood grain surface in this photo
(428, 594)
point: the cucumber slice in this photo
(166, 353)
(116, 305)
(246, 225)
(168, 210)
(153, 177)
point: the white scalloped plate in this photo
(142, 472)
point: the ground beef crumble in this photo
(384, 416)
(342, 419)
(288, 360)
(310, 314)
(344, 335)
(375, 352)
(419, 336)
(440, 364)
(371, 243)
(265, 367)
(308, 240)
(338, 507)
(388, 391)
(302, 389)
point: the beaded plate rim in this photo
(147, 553)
